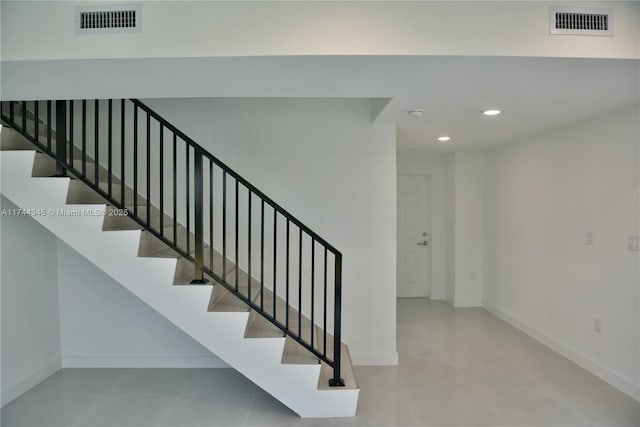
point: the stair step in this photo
(13, 134)
(154, 215)
(281, 315)
(296, 354)
(11, 140)
(259, 327)
(346, 368)
(151, 246)
(230, 302)
(43, 166)
(185, 270)
(30, 122)
(217, 293)
(79, 194)
(118, 222)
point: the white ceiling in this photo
(535, 94)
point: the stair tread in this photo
(118, 222)
(295, 354)
(230, 302)
(186, 269)
(11, 140)
(347, 373)
(259, 327)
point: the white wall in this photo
(541, 196)
(30, 317)
(463, 172)
(203, 29)
(433, 166)
(450, 185)
(468, 229)
(104, 325)
(327, 164)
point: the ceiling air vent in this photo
(580, 21)
(108, 19)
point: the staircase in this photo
(188, 236)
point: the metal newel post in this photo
(197, 190)
(337, 381)
(61, 137)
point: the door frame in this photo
(427, 178)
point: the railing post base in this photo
(202, 281)
(336, 382)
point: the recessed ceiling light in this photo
(492, 112)
(416, 112)
(444, 139)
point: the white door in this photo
(413, 236)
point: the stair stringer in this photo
(151, 280)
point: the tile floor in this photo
(461, 367)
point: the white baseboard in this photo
(29, 381)
(585, 362)
(375, 359)
(142, 362)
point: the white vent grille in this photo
(108, 19)
(579, 21)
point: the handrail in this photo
(75, 124)
(234, 174)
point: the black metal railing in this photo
(200, 207)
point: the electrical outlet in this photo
(588, 238)
(597, 325)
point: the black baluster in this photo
(135, 160)
(211, 214)
(300, 284)
(262, 254)
(70, 134)
(61, 137)
(148, 170)
(96, 144)
(188, 196)
(199, 232)
(286, 322)
(275, 259)
(337, 381)
(123, 188)
(84, 137)
(224, 226)
(161, 171)
(237, 241)
(324, 318)
(109, 146)
(48, 122)
(23, 111)
(175, 191)
(249, 243)
(313, 293)
(36, 129)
